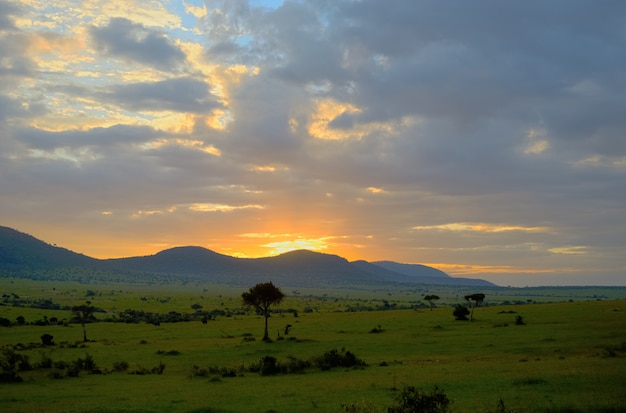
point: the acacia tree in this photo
(261, 297)
(431, 298)
(84, 314)
(476, 300)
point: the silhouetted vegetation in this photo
(12, 363)
(460, 312)
(47, 340)
(431, 298)
(476, 300)
(261, 297)
(83, 314)
(413, 400)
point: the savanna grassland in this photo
(569, 355)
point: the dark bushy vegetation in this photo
(412, 400)
(333, 358)
(460, 312)
(614, 350)
(270, 365)
(11, 364)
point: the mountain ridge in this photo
(23, 255)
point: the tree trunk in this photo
(266, 336)
(84, 332)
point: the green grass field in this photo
(569, 357)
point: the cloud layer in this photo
(484, 138)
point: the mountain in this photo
(22, 255)
(430, 275)
(22, 251)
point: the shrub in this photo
(47, 340)
(168, 353)
(334, 358)
(376, 330)
(269, 366)
(197, 371)
(120, 366)
(295, 365)
(141, 371)
(614, 350)
(364, 407)
(11, 364)
(460, 312)
(412, 400)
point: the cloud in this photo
(6, 11)
(135, 42)
(178, 95)
(483, 135)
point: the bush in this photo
(11, 364)
(269, 366)
(460, 312)
(47, 340)
(120, 366)
(376, 330)
(364, 407)
(334, 358)
(141, 371)
(412, 400)
(168, 353)
(295, 365)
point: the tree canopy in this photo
(84, 314)
(477, 299)
(431, 298)
(262, 296)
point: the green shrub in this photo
(460, 312)
(11, 364)
(168, 353)
(335, 358)
(412, 400)
(269, 366)
(295, 365)
(120, 366)
(142, 371)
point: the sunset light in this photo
(473, 137)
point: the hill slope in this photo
(22, 255)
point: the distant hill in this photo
(22, 255)
(21, 251)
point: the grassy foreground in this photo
(568, 357)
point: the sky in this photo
(484, 138)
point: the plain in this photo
(568, 356)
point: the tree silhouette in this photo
(460, 312)
(431, 298)
(261, 297)
(84, 314)
(476, 300)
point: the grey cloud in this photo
(135, 42)
(180, 95)
(96, 137)
(13, 108)
(449, 91)
(6, 11)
